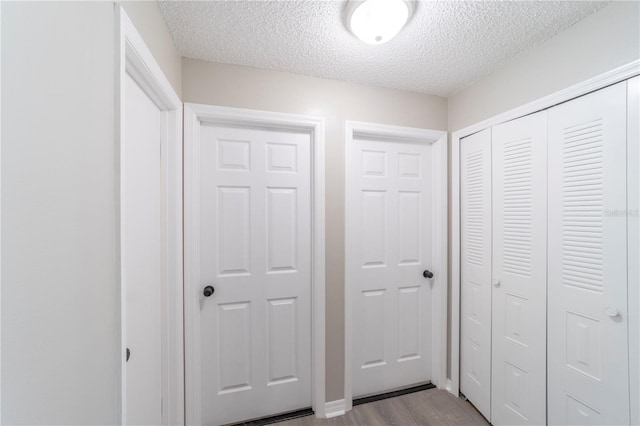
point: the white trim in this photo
(0, 206)
(133, 57)
(614, 76)
(334, 408)
(438, 139)
(448, 386)
(194, 114)
(633, 243)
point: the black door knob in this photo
(208, 291)
(427, 274)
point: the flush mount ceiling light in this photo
(377, 21)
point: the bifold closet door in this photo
(475, 255)
(588, 371)
(519, 336)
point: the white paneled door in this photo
(390, 204)
(519, 314)
(588, 379)
(141, 255)
(252, 215)
(475, 268)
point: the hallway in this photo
(429, 407)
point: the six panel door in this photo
(253, 346)
(390, 202)
(475, 261)
(519, 311)
(588, 375)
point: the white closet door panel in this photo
(142, 258)
(633, 217)
(475, 235)
(519, 334)
(588, 372)
(390, 195)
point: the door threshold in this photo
(392, 394)
(277, 418)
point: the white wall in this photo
(60, 315)
(244, 87)
(60, 290)
(605, 40)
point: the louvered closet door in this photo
(588, 372)
(519, 336)
(475, 235)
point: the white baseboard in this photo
(334, 408)
(449, 386)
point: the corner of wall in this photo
(605, 40)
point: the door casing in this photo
(633, 229)
(438, 140)
(133, 57)
(194, 114)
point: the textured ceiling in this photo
(446, 46)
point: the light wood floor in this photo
(430, 407)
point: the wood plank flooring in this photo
(430, 407)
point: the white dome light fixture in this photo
(377, 21)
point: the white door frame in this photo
(195, 114)
(614, 76)
(135, 58)
(438, 140)
(633, 242)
